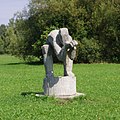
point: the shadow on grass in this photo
(25, 63)
(31, 93)
(39, 95)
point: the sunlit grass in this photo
(100, 83)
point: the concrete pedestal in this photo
(61, 87)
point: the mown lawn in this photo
(19, 82)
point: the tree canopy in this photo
(95, 24)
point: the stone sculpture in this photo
(60, 43)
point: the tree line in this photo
(95, 24)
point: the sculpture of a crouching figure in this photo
(60, 43)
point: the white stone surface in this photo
(60, 86)
(70, 96)
(63, 96)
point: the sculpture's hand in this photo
(72, 49)
(71, 45)
(74, 43)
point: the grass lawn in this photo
(19, 82)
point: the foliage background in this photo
(95, 24)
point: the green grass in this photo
(19, 82)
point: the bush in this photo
(88, 51)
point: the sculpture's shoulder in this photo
(53, 33)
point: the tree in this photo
(105, 23)
(3, 42)
(93, 23)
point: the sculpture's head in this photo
(65, 37)
(64, 31)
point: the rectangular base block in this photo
(60, 86)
